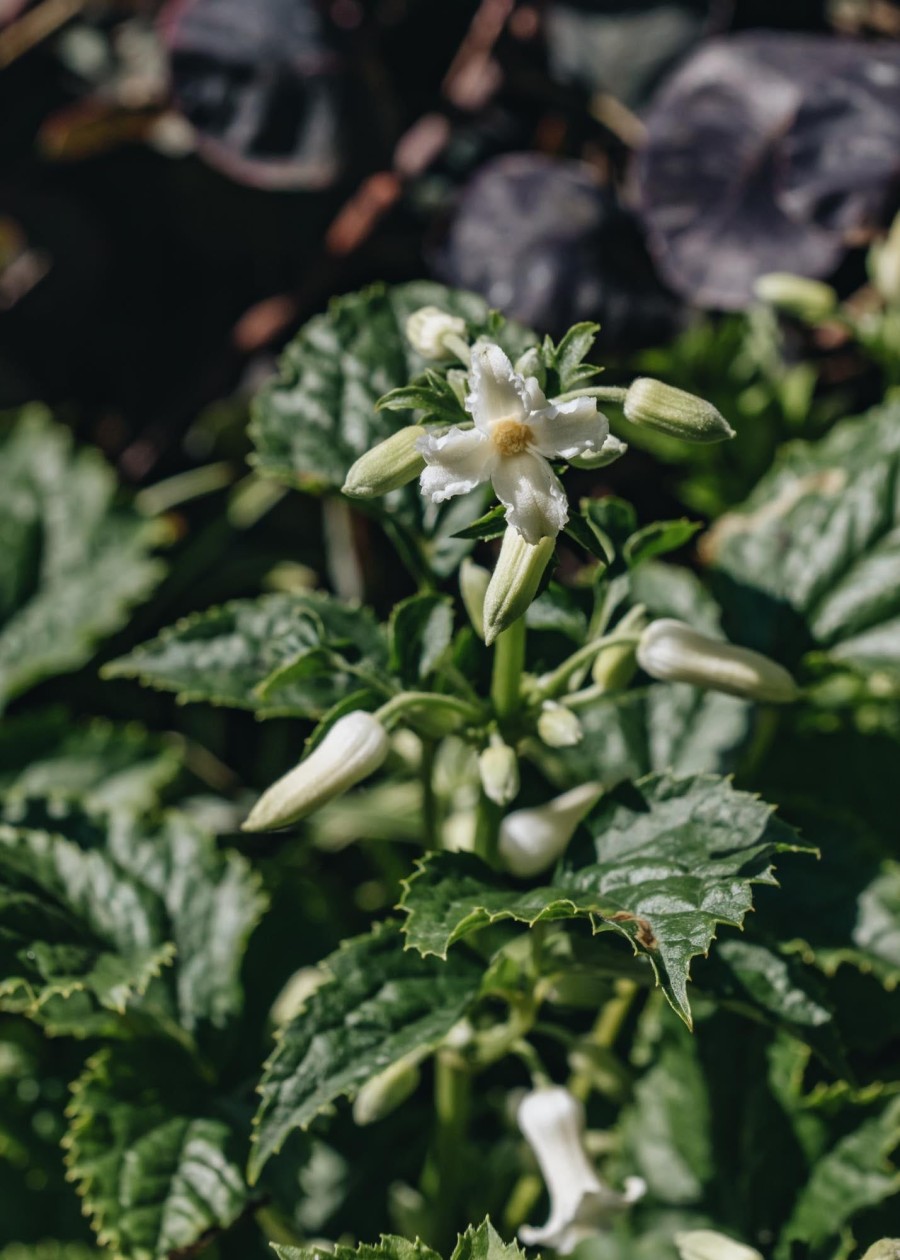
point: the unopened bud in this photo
(614, 667)
(473, 584)
(558, 726)
(654, 405)
(612, 449)
(353, 749)
(707, 1244)
(884, 264)
(531, 840)
(498, 767)
(387, 466)
(515, 581)
(426, 329)
(675, 652)
(809, 300)
(384, 1093)
(884, 1249)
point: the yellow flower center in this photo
(511, 437)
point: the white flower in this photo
(353, 749)
(531, 840)
(516, 432)
(552, 1121)
(426, 329)
(707, 1244)
(672, 651)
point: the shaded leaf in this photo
(420, 631)
(657, 539)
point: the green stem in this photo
(506, 679)
(550, 685)
(427, 700)
(606, 393)
(443, 1174)
(429, 800)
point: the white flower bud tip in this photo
(426, 329)
(653, 405)
(385, 1093)
(498, 767)
(392, 463)
(514, 582)
(531, 840)
(674, 652)
(552, 1122)
(707, 1244)
(558, 726)
(353, 749)
(809, 300)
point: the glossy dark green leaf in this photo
(657, 539)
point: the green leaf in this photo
(381, 1004)
(390, 1247)
(420, 631)
(555, 609)
(566, 357)
(157, 1168)
(482, 1242)
(668, 860)
(857, 1173)
(492, 524)
(657, 539)
(813, 555)
(102, 764)
(291, 654)
(73, 564)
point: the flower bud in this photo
(558, 726)
(531, 840)
(884, 1249)
(514, 582)
(498, 767)
(552, 1122)
(614, 667)
(385, 1092)
(809, 300)
(675, 652)
(473, 584)
(611, 450)
(707, 1244)
(426, 329)
(353, 749)
(884, 264)
(387, 466)
(653, 405)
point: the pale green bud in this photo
(514, 582)
(611, 450)
(353, 749)
(884, 1249)
(707, 1244)
(473, 585)
(614, 667)
(531, 840)
(558, 726)
(387, 466)
(426, 329)
(675, 652)
(296, 993)
(498, 767)
(884, 264)
(809, 300)
(653, 405)
(385, 1093)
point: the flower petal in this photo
(535, 501)
(497, 392)
(569, 429)
(458, 461)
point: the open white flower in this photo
(552, 1120)
(516, 432)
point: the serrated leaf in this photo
(390, 1247)
(419, 632)
(157, 1168)
(244, 653)
(381, 1004)
(482, 1242)
(813, 556)
(73, 563)
(857, 1173)
(668, 860)
(102, 764)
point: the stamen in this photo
(511, 437)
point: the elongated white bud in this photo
(558, 726)
(809, 300)
(514, 582)
(612, 449)
(675, 652)
(385, 1092)
(353, 749)
(473, 583)
(387, 466)
(426, 329)
(531, 840)
(552, 1122)
(707, 1244)
(498, 767)
(653, 405)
